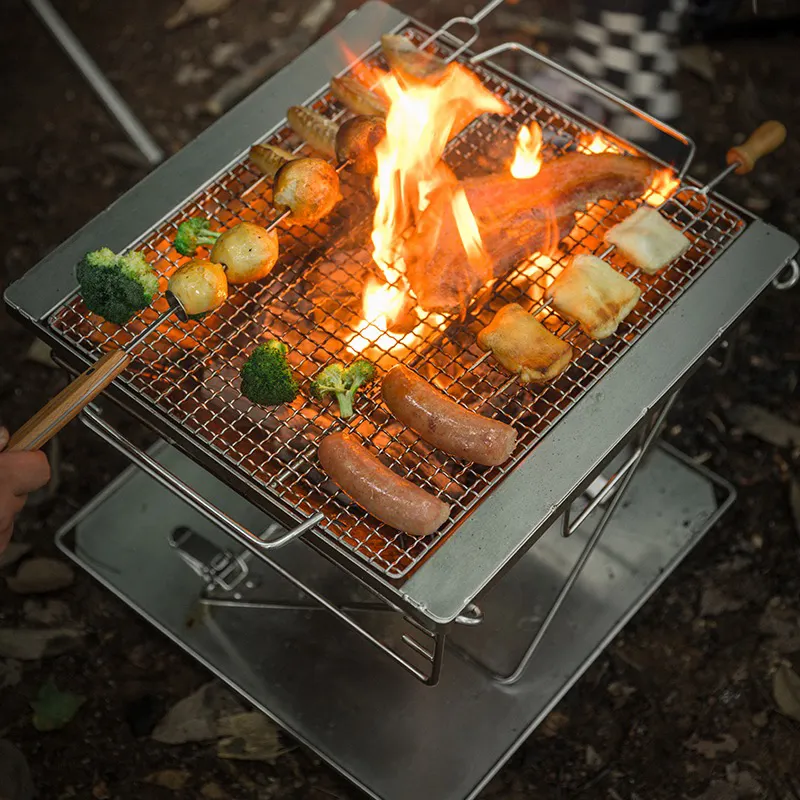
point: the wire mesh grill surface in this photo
(312, 301)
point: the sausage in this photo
(378, 490)
(444, 423)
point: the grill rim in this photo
(129, 400)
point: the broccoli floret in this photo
(116, 286)
(344, 383)
(267, 379)
(194, 233)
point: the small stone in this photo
(30, 645)
(40, 575)
(213, 791)
(13, 553)
(593, 759)
(761, 719)
(174, 779)
(47, 612)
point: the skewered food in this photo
(515, 217)
(269, 159)
(199, 286)
(593, 294)
(444, 423)
(358, 98)
(116, 286)
(405, 58)
(308, 187)
(524, 346)
(318, 131)
(378, 490)
(247, 251)
(267, 378)
(356, 141)
(343, 383)
(648, 240)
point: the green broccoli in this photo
(343, 382)
(193, 233)
(116, 286)
(267, 379)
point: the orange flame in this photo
(597, 143)
(527, 153)
(661, 189)
(468, 231)
(382, 303)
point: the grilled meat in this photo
(515, 217)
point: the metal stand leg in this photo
(98, 81)
(620, 482)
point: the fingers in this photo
(23, 472)
(9, 508)
(5, 535)
(4, 437)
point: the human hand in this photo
(20, 473)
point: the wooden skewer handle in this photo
(763, 140)
(68, 403)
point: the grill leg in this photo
(649, 437)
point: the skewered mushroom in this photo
(199, 287)
(247, 251)
(308, 187)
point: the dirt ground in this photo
(681, 704)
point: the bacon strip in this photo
(515, 218)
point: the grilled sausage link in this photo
(444, 423)
(378, 490)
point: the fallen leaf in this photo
(786, 691)
(15, 774)
(196, 717)
(100, 791)
(174, 779)
(696, 58)
(29, 645)
(40, 353)
(714, 602)
(765, 425)
(10, 672)
(13, 553)
(593, 758)
(554, 722)
(190, 74)
(710, 749)
(196, 9)
(53, 709)
(40, 575)
(250, 736)
(794, 502)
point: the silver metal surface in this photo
(460, 567)
(96, 78)
(325, 685)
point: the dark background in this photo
(674, 677)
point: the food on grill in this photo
(524, 346)
(378, 490)
(405, 58)
(648, 240)
(358, 98)
(269, 159)
(343, 383)
(593, 294)
(444, 423)
(318, 131)
(267, 378)
(199, 286)
(356, 141)
(247, 251)
(515, 218)
(308, 187)
(116, 286)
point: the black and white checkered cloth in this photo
(630, 48)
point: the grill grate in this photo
(188, 372)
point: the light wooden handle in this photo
(68, 403)
(763, 140)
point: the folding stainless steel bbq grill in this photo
(237, 492)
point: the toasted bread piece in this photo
(524, 346)
(593, 294)
(647, 240)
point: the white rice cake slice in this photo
(593, 294)
(647, 240)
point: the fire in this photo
(597, 144)
(418, 127)
(468, 231)
(661, 189)
(527, 154)
(382, 303)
